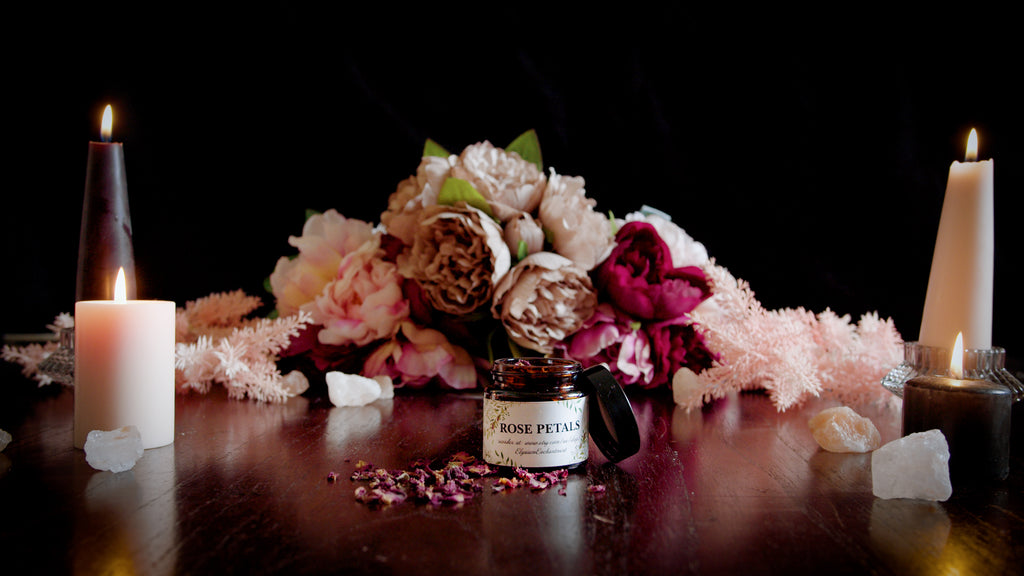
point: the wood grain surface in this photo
(735, 488)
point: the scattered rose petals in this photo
(456, 481)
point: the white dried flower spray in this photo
(233, 351)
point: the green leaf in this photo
(431, 148)
(458, 190)
(615, 225)
(310, 213)
(523, 251)
(528, 147)
(549, 235)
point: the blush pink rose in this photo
(416, 356)
(363, 303)
(326, 239)
(639, 278)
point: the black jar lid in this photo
(612, 422)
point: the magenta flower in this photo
(639, 278)
(677, 344)
(612, 338)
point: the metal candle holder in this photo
(982, 364)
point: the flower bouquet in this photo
(482, 254)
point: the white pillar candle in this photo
(124, 368)
(959, 294)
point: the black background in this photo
(808, 153)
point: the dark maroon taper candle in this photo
(105, 243)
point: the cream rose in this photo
(577, 232)
(457, 256)
(526, 230)
(543, 300)
(414, 194)
(510, 184)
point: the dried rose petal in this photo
(455, 482)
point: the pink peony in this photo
(577, 232)
(638, 277)
(326, 239)
(415, 356)
(363, 303)
(457, 256)
(611, 337)
(543, 300)
(509, 184)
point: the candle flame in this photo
(106, 126)
(956, 360)
(972, 146)
(120, 292)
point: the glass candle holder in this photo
(980, 364)
(60, 364)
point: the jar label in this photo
(550, 433)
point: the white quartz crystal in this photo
(294, 383)
(351, 389)
(116, 450)
(915, 466)
(5, 439)
(387, 387)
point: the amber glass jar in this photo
(535, 414)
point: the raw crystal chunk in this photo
(294, 383)
(351, 389)
(387, 387)
(915, 466)
(116, 450)
(840, 429)
(5, 439)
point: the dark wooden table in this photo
(735, 488)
